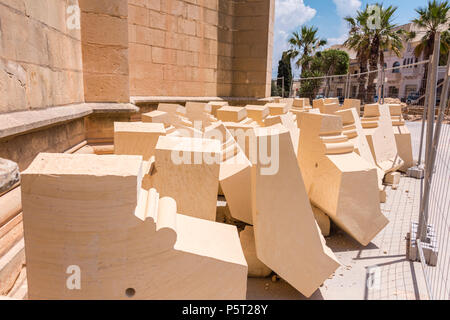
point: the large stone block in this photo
(276, 109)
(339, 181)
(87, 214)
(402, 137)
(231, 114)
(377, 125)
(257, 113)
(352, 103)
(235, 173)
(287, 238)
(352, 128)
(187, 170)
(137, 138)
(256, 268)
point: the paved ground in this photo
(382, 264)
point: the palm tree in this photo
(303, 46)
(386, 37)
(370, 43)
(359, 41)
(432, 18)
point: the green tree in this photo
(370, 43)
(275, 90)
(331, 62)
(285, 71)
(309, 88)
(432, 19)
(303, 46)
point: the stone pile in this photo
(146, 220)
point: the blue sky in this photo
(327, 16)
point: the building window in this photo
(393, 92)
(396, 64)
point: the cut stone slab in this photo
(378, 129)
(89, 212)
(257, 113)
(187, 170)
(339, 181)
(231, 114)
(199, 112)
(235, 173)
(256, 269)
(276, 109)
(287, 237)
(216, 105)
(155, 117)
(137, 138)
(352, 128)
(402, 137)
(289, 121)
(9, 175)
(393, 179)
(331, 101)
(301, 103)
(329, 108)
(318, 103)
(322, 220)
(353, 103)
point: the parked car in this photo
(341, 100)
(413, 98)
(320, 96)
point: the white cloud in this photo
(344, 8)
(347, 7)
(289, 16)
(339, 40)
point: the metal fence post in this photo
(424, 115)
(423, 215)
(347, 86)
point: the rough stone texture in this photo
(9, 174)
(40, 58)
(104, 35)
(200, 48)
(23, 148)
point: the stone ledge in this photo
(112, 107)
(24, 121)
(164, 99)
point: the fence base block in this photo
(416, 172)
(429, 247)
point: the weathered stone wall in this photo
(40, 58)
(104, 35)
(196, 47)
(172, 48)
(253, 47)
